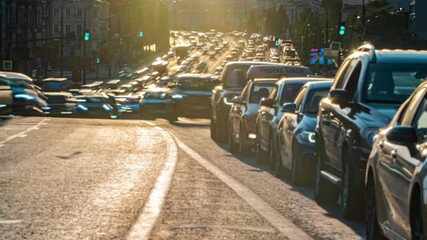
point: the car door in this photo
(264, 118)
(397, 164)
(237, 111)
(331, 120)
(289, 125)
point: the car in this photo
(157, 102)
(269, 115)
(94, 104)
(233, 80)
(60, 103)
(368, 88)
(294, 149)
(396, 174)
(192, 94)
(243, 113)
(6, 101)
(128, 104)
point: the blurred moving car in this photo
(243, 114)
(128, 104)
(295, 150)
(56, 84)
(157, 102)
(192, 94)
(396, 174)
(60, 103)
(96, 105)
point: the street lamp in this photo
(63, 3)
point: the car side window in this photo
(340, 76)
(299, 98)
(351, 84)
(412, 107)
(420, 120)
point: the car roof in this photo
(319, 84)
(194, 75)
(391, 55)
(57, 94)
(16, 75)
(266, 80)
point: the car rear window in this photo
(259, 91)
(235, 76)
(392, 82)
(195, 84)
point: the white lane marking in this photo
(270, 214)
(24, 133)
(144, 224)
(10, 221)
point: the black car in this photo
(96, 105)
(192, 95)
(367, 90)
(295, 134)
(396, 174)
(60, 103)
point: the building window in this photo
(95, 29)
(79, 29)
(67, 29)
(95, 12)
(56, 28)
(79, 13)
(55, 12)
(67, 12)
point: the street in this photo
(70, 178)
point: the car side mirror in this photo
(339, 96)
(403, 135)
(289, 107)
(237, 100)
(267, 102)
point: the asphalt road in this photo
(96, 179)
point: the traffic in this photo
(357, 139)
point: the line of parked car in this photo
(360, 138)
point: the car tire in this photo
(244, 149)
(261, 155)
(324, 191)
(351, 197)
(213, 130)
(280, 171)
(232, 145)
(416, 217)
(373, 231)
(271, 154)
(298, 177)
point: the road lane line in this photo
(145, 222)
(284, 225)
(24, 133)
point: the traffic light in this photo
(98, 60)
(276, 42)
(141, 34)
(342, 29)
(86, 36)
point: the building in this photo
(418, 19)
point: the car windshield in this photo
(392, 82)
(235, 75)
(195, 84)
(259, 91)
(290, 91)
(313, 100)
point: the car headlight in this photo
(308, 137)
(79, 106)
(24, 96)
(370, 135)
(45, 108)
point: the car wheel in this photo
(260, 154)
(324, 191)
(372, 227)
(351, 198)
(297, 176)
(417, 230)
(271, 154)
(213, 129)
(244, 149)
(279, 170)
(232, 146)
